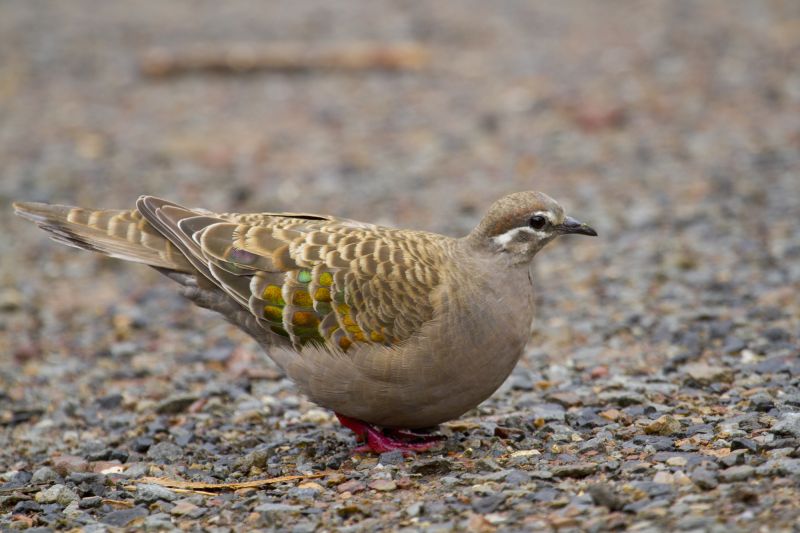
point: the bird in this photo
(396, 331)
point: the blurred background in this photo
(672, 126)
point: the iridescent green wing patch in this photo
(304, 307)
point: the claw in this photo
(376, 441)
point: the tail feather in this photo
(124, 234)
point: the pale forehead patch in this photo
(503, 239)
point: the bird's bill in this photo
(573, 226)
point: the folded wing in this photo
(309, 279)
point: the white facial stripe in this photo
(507, 237)
(545, 214)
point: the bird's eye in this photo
(537, 222)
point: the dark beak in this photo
(570, 225)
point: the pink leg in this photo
(376, 441)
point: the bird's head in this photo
(520, 224)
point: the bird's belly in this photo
(453, 364)
(412, 387)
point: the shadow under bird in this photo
(394, 330)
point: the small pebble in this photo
(123, 517)
(704, 479)
(383, 485)
(391, 458)
(57, 494)
(165, 452)
(576, 470)
(44, 475)
(352, 486)
(149, 493)
(736, 473)
(664, 425)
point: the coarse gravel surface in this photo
(661, 387)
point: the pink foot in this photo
(377, 441)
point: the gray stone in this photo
(548, 412)
(158, 522)
(564, 398)
(177, 403)
(777, 364)
(44, 475)
(136, 470)
(415, 509)
(483, 478)
(73, 510)
(777, 335)
(432, 467)
(779, 467)
(695, 522)
(60, 494)
(736, 473)
(658, 443)
(520, 380)
(91, 502)
(149, 493)
(547, 494)
(789, 467)
(188, 509)
(257, 458)
(487, 464)
(27, 506)
(623, 398)
(734, 345)
(517, 477)
(93, 527)
(605, 495)
(577, 470)
(744, 444)
(165, 452)
(704, 479)
(732, 459)
(123, 517)
(704, 374)
(487, 504)
(788, 424)
(761, 402)
(392, 458)
(278, 508)
(597, 443)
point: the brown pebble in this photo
(611, 414)
(107, 467)
(351, 486)
(405, 483)
(311, 485)
(663, 425)
(335, 479)
(599, 372)
(565, 398)
(183, 508)
(65, 464)
(383, 485)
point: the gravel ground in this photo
(661, 387)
